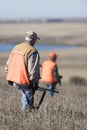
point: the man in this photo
(22, 69)
(49, 74)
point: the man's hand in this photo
(34, 85)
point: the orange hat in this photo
(52, 55)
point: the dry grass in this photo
(59, 33)
(66, 110)
(63, 111)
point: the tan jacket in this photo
(31, 60)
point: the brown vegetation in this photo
(53, 33)
(66, 110)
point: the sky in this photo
(42, 9)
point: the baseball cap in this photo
(52, 55)
(31, 35)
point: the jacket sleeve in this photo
(33, 66)
(55, 74)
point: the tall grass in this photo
(64, 111)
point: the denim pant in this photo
(27, 98)
(51, 87)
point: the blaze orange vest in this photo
(47, 70)
(17, 67)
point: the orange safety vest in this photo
(17, 67)
(47, 70)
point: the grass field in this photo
(66, 110)
(59, 33)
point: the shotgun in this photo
(43, 95)
(45, 89)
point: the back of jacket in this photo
(18, 64)
(47, 71)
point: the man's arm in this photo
(33, 67)
(56, 75)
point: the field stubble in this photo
(66, 110)
(54, 33)
(63, 111)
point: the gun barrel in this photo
(45, 89)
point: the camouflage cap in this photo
(31, 35)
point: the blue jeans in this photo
(27, 98)
(51, 87)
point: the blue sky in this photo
(43, 8)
